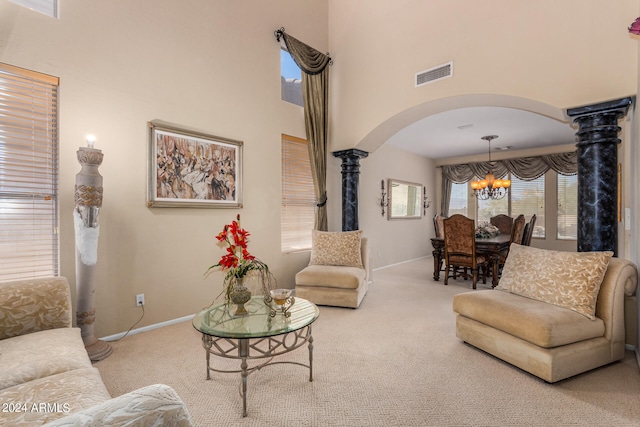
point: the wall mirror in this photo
(405, 200)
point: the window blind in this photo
(527, 198)
(28, 174)
(298, 197)
(567, 207)
(524, 197)
(459, 199)
(490, 208)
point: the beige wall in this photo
(212, 66)
(557, 53)
(391, 241)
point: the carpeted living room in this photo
(136, 250)
(394, 361)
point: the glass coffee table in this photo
(255, 336)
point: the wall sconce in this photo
(383, 198)
(425, 201)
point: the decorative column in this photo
(598, 173)
(350, 178)
(88, 200)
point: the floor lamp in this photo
(88, 200)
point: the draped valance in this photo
(310, 60)
(525, 168)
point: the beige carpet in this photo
(395, 361)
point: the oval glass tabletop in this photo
(219, 321)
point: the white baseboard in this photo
(147, 328)
(401, 262)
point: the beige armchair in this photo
(338, 270)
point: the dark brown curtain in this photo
(315, 92)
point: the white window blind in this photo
(298, 196)
(459, 203)
(490, 208)
(527, 198)
(524, 197)
(28, 174)
(567, 207)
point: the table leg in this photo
(244, 353)
(207, 341)
(310, 355)
(437, 263)
(494, 271)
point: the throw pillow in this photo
(566, 279)
(336, 248)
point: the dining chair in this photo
(517, 231)
(528, 234)
(460, 249)
(517, 234)
(438, 225)
(503, 222)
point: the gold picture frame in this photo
(189, 168)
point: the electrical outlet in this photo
(139, 300)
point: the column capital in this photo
(351, 153)
(619, 105)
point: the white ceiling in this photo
(458, 132)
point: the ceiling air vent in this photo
(436, 73)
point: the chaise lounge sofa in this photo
(554, 314)
(46, 376)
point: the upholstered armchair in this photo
(338, 270)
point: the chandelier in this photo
(490, 187)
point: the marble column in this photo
(350, 178)
(88, 200)
(598, 173)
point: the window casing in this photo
(298, 196)
(29, 243)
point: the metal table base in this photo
(247, 349)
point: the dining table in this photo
(491, 248)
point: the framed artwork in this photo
(188, 168)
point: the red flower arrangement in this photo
(237, 260)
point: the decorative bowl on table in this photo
(280, 301)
